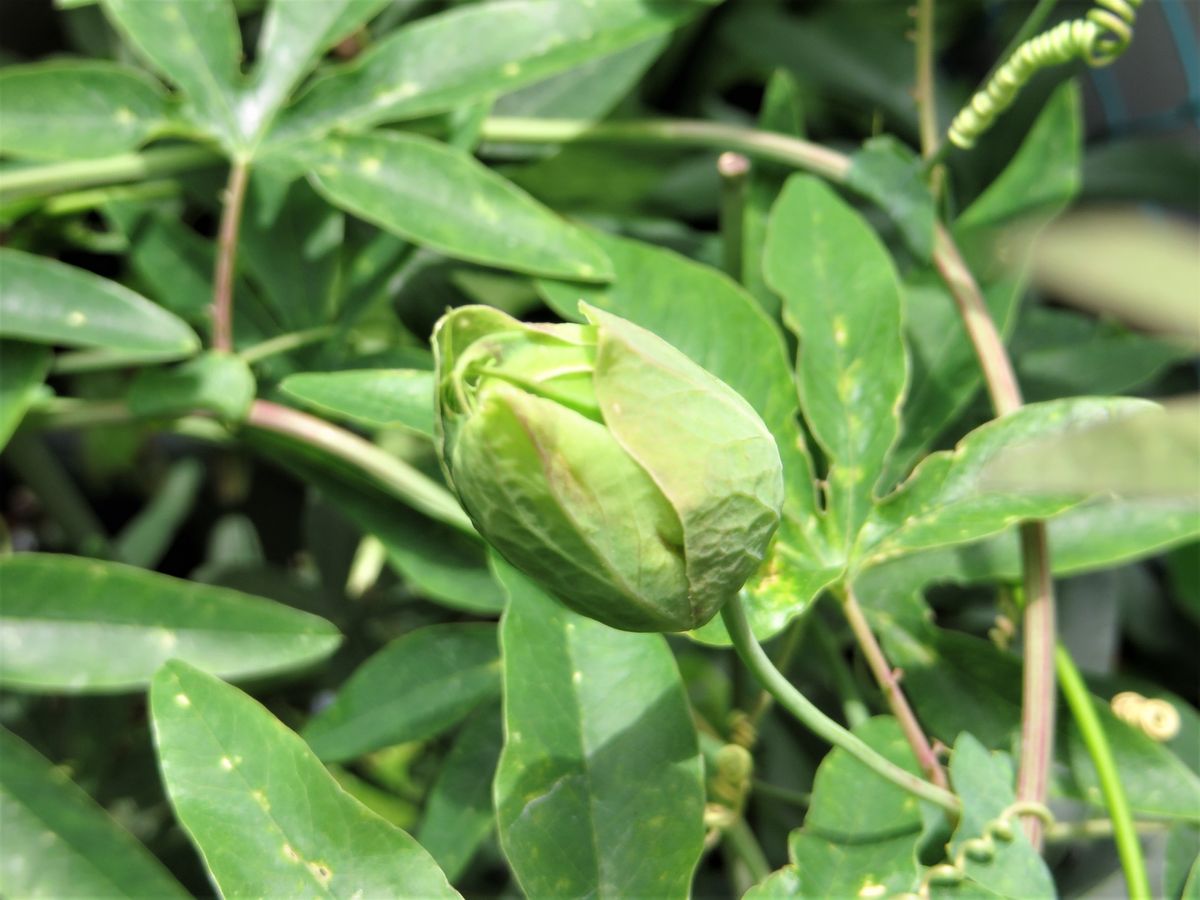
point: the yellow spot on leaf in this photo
(75, 318)
(369, 166)
(183, 700)
(291, 854)
(226, 763)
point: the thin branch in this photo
(889, 682)
(927, 117)
(227, 241)
(756, 660)
(285, 343)
(734, 169)
(58, 178)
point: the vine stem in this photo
(889, 682)
(1123, 827)
(759, 664)
(927, 119)
(227, 240)
(284, 343)
(403, 480)
(58, 178)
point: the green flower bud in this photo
(599, 460)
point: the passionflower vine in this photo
(630, 483)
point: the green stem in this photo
(101, 359)
(927, 118)
(748, 648)
(405, 482)
(783, 661)
(58, 178)
(734, 169)
(285, 343)
(1129, 848)
(677, 132)
(787, 795)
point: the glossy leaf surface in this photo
(48, 302)
(59, 843)
(266, 817)
(600, 759)
(372, 397)
(414, 688)
(78, 110)
(442, 198)
(74, 624)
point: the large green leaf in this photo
(443, 198)
(267, 818)
(465, 55)
(842, 297)
(1095, 535)
(74, 624)
(458, 814)
(197, 46)
(23, 368)
(984, 783)
(215, 382)
(600, 761)
(48, 302)
(294, 35)
(372, 397)
(59, 843)
(78, 109)
(861, 833)
(414, 688)
(945, 500)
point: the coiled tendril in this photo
(1098, 40)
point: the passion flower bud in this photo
(603, 463)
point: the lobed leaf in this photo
(442, 198)
(265, 815)
(45, 301)
(80, 625)
(413, 689)
(59, 843)
(600, 760)
(78, 109)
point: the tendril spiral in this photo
(1097, 39)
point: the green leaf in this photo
(1156, 781)
(783, 112)
(23, 369)
(589, 90)
(1095, 535)
(465, 55)
(1151, 451)
(708, 317)
(294, 36)
(78, 109)
(458, 814)
(441, 563)
(945, 500)
(1044, 175)
(443, 198)
(945, 372)
(890, 175)
(413, 689)
(59, 843)
(197, 46)
(79, 625)
(376, 398)
(214, 382)
(289, 245)
(984, 784)
(48, 302)
(600, 761)
(149, 534)
(842, 297)
(861, 833)
(267, 818)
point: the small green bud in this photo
(599, 460)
